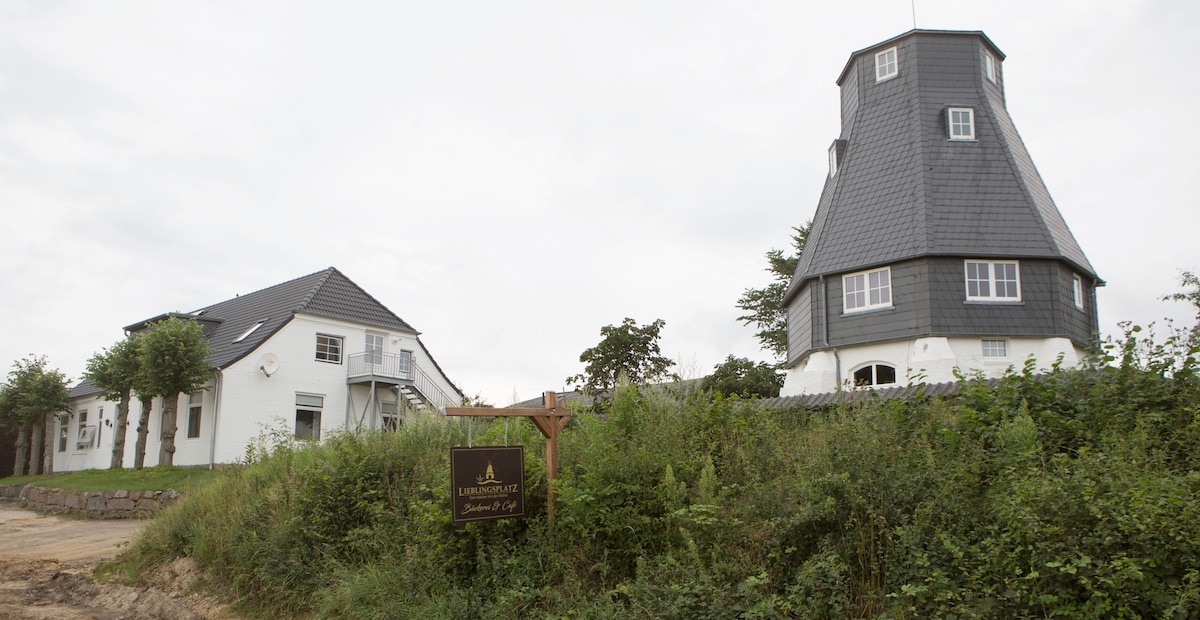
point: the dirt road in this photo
(46, 563)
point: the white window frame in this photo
(874, 368)
(887, 64)
(960, 123)
(1077, 290)
(867, 290)
(986, 283)
(989, 66)
(195, 411)
(327, 352)
(313, 404)
(833, 160)
(994, 348)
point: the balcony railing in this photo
(403, 369)
(387, 365)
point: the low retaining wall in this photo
(90, 504)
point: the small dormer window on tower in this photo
(961, 123)
(835, 156)
(989, 66)
(886, 65)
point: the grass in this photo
(148, 479)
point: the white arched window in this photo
(875, 374)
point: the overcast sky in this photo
(509, 177)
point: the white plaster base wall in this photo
(924, 360)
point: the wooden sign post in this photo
(550, 420)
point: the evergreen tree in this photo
(764, 306)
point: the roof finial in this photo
(914, 12)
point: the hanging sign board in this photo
(487, 483)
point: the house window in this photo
(195, 408)
(875, 374)
(1077, 290)
(329, 349)
(64, 431)
(885, 65)
(989, 66)
(867, 290)
(993, 281)
(833, 160)
(962, 123)
(83, 415)
(247, 333)
(308, 416)
(995, 348)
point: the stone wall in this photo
(90, 504)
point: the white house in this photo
(314, 354)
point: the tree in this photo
(740, 376)
(626, 351)
(764, 306)
(171, 358)
(115, 372)
(32, 393)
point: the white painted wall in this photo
(924, 360)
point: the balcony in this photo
(399, 370)
(387, 368)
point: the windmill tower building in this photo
(935, 245)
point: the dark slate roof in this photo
(83, 389)
(326, 293)
(903, 190)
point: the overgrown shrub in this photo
(1072, 493)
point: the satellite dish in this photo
(268, 363)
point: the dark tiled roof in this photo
(326, 293)
(83, 389)
(903, 190)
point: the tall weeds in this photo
(1067, 494)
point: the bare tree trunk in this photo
(166, 451)
(48, 444)
(119, 428)
(22, 450)
(143, 429)
(37, 429)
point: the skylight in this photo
(249, 331)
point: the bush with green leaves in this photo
(1071, 493)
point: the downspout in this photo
(837, 359)
(212, 444)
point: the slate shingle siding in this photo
(905, 192)
(800, 324)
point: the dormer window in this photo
(835, 156)
(989, 66)
(961, 123)
(886, 65)
(1077, 290)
